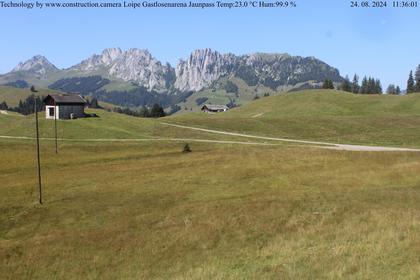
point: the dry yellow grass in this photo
(147, 211)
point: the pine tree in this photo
(371, 86)
(355, 88)
(346, 85)
(144, 112)
(364, 87)
(417, 79)
(328, 84)
(378, 87)
(391, 89)
(3, 106)
(410, 83)
(94, 103)
(157, 111)
(398, 90)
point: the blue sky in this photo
(384, 43)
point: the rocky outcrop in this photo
(273, 70)
(202, 68)
(38, 66)
(132, 65)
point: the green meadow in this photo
(145, 210)
(323, 115)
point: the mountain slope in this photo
(322, 115)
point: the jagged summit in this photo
(38, 65)
(136, 65)
(206, 66)
(198, 71)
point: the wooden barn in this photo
(64, 107)
(209, 108)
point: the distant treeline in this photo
(27, 106)
(80, 85)
(370, 85)
(156, 111)
(18, 84)
(141, 96)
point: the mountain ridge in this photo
(202, 68)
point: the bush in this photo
(186, 148)
(231, 87)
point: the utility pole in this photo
(55, 127)
(37, 146)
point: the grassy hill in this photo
(323, 115)
(145, 210)
(318, 115)
(108, 125)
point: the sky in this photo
(383, 43)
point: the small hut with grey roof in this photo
(209, 108)
(64, 107)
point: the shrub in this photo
(231, 87)
(186, 148)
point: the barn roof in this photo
(66, 98)
(216, 107)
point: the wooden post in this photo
(37, 147)
(55, 127)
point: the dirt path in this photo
(325, 145)
(258, 115)
(141, 140)
(314, 144)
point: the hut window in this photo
(51, 111)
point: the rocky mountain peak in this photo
(202, 68)
(272, 70)
(135, 65)
(111, 54)
(37, 64)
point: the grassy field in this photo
(323, 115)
(107, 126)
(145, 210)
